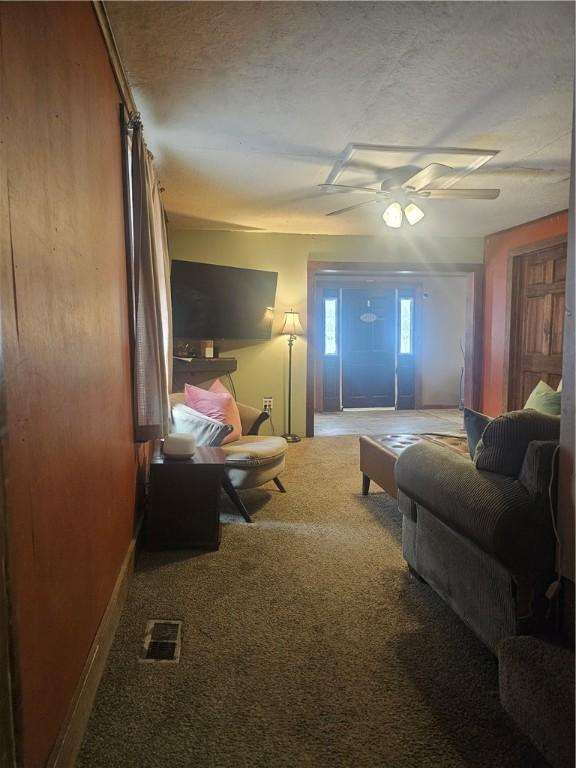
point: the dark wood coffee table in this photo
(184, 500)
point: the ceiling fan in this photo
(415, 186)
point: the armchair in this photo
(251, 461)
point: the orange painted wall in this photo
(69, 456)
(497, 248)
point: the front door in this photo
(537, 321)
(368, 348)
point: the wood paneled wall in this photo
(7, 735)
(566, 487)
(496, 304)
(70, 459)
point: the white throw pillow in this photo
(206, 431)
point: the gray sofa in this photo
(480, 531)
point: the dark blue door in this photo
(368, 348)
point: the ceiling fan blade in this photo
(424, 177)
(346, 188)
(463, 194)
(350, 208)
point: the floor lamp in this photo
(291, 328)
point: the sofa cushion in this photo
(474, 423)
(494, 511)
(504, 442)
(255, 450)
(545, 399)
(537, 470)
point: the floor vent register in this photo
(162, 641)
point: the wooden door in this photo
(537, 321)
(368, 348)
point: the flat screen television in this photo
(213, 302)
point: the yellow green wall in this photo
(262, 366)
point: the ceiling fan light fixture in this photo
(392, 216)
(413, 213)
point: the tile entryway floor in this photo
(381, 421)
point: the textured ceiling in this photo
(247, 106)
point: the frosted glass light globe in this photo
(392, 216)
(413, 213)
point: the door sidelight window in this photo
(330, 326)
(406, 325)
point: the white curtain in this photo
(162, 260)
(152, 365)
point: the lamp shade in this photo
(292, 324)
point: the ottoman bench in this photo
(378, 455)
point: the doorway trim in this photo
(473, 327)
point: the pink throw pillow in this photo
(216, 404)
(217, 386)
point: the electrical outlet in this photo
(267, 403)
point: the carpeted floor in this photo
(305, 644)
